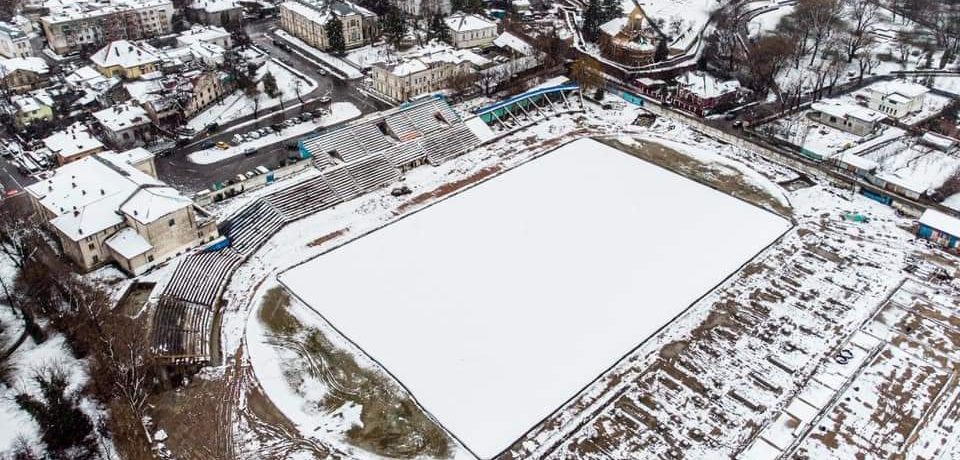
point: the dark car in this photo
(277, 127)
(207, 145)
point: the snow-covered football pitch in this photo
(496, 305)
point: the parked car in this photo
(277, 127)
(254, 135)
(288, 123)
(306, 116)
(401, 190)
(237, 139)
(222, 145)
(207, 145)
(322, 72)
(324, 99)
(265, 131)
(249, 151)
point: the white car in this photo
(254, 135)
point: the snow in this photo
(515, 43)
(841, 109)
(467, 23)
(525, 315)
(74, 140)
(340, 112)
(124, 54)
(940, 221)
(767, 22)
(128, 243)
(239, 105)
(148, 204)
(346, 69)
(479, 128)
(121, 117)
(31, 64)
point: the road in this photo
(177, 170)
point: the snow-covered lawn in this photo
(496, 305)
(327, 59)
(767, 22)
(239, 105)
(340, 112)
(368, 55)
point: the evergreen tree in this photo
(612, 9)
(64, 428)
(592, 19)
(270, 85)
(661, 52)
(334, 29)
(394, 26)
(438, 28)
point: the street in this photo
(177, 170)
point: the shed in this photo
(939, 228)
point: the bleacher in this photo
(341, 182)
(407, 153)
(402, 127)
(181, 331)
(450, 143)
(252, 226)
(372, 172)
(200, 276)
(303, 199)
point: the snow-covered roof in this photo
(856, 161)
(614, 26)
(214, 6)
(124, 54)
(904, 88)
(86, 194)
(312, 14)
(467, 22)
(940, 221)
(131, 157)
(84, 74)
(122, 116)
(939, 141)
(423, 59)
(148, 204)
(843, 109)
(74, 140)
(29, 64)
(515, 43)
(128, 243)
(202, 34)
(705, 86)
(32, 101)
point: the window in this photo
(96, 259)
(150, 258)
(90, 246)
(171, 222)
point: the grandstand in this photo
(352, 160)
(532, 106)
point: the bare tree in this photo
(768, 56)
(461, 81)
(822, 17)
(863, 16)
(587, 72)
(866, 60)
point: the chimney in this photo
(76, 213)
(102, 192)
(74, 184)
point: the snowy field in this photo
(477, 358)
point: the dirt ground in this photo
(727, 180)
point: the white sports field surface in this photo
(495, 306)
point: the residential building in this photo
(89, 24)
(125, 125)
(23, 74)
(93, 87)
(110, 208)
(307, 21)
(424, 72)
(895, 98)
(700, 92)
(31, 108)
(205, 34)
(470, 30)
(72, 144)
(424, 8)
(848, 117)
(939, 228)
(126, 59)
(14, 43)
(221, 13)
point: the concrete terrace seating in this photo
(200, 276)
(342, 141)
(303, 199)
(450, 143)
(341, 182)
(373, 172)
(181, 330)
(402, 127)
(371, 138)
(406, 153)
(252, 226)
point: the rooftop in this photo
(124, 54)
(31, 64)
(72, 141)
(467, 22)
(128, 243)
(705, 85)
(214, 6)
(898, 87)
(940, 221)
(202, 34)
(843, 109)
(122, 116)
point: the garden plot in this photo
(495, 306)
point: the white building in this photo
(896, 98)
(215, 12)
(845, 116)
(470, 30)
(110, 207)
(205, 34)
(14, 43)
(125, 125)
(72, 144)
(73, 26)
(424, 71)
(424, 8)
(307, 21)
